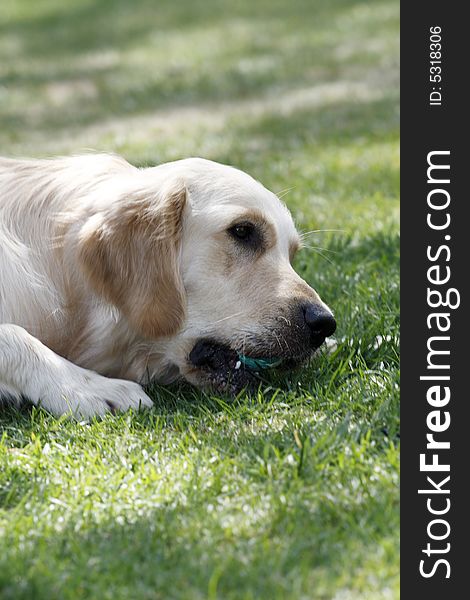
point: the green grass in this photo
(291, 493)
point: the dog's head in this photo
(199, 254)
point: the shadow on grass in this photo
(65, 35)
(184, 551)
(66, 29)
(205, 536)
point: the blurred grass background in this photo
(290, 493)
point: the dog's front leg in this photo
(28, 369)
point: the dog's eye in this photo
(243, 232)
(247, 236)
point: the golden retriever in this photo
(113, 276)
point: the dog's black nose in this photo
(319, 320)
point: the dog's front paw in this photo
(29, 369)
(121, 395)
(85, 394)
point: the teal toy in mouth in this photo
(257, 364)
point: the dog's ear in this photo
(130, 254)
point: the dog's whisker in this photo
(227, 318)
(284, 192)
(244, 344)
(320, 248)
(286, 344)
(304, 234)
(319, 252)
(278, 341)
